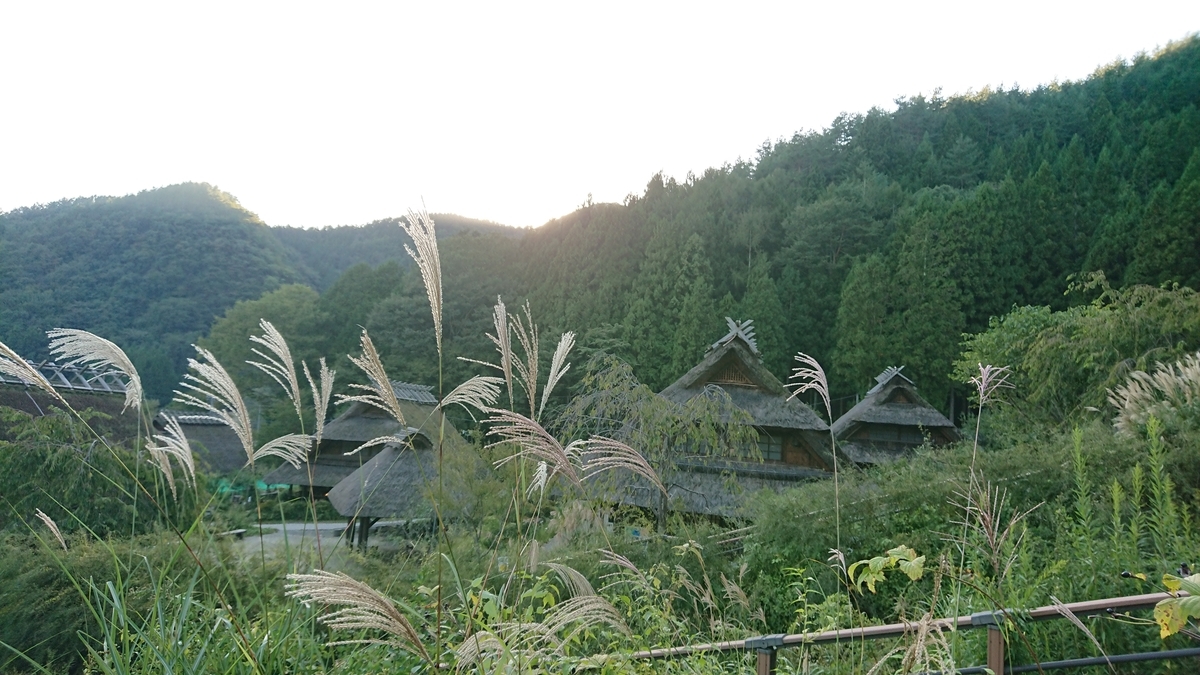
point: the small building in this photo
(215, 446)
(84, 388)
(793, 441)
(890, 421)
(383, 481)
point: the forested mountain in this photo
(152, 271)
(148, 271)
(884, 238)
(323, 254)
(878, 241)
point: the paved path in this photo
(302, 536)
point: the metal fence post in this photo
(995, 639)
(768, 651)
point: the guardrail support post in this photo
(995, 655)
(768, 650)
(995, 639)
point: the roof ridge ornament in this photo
(739, 329)
(886, 376)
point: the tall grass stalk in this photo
(87, 348)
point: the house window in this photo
(770, 448)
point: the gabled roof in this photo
(734, 364)
(893, 400)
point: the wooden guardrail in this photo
(768, 646)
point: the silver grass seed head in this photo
(291, 448)
(604, 454)
(277, 362)
(480, 393)
(363, 608)
(810, 376)
(208, 386)
(558, 367)
(82, 347)
(12, 365)
(420, 228)
(172, 443)
(52, 526)
(322, 390)
(379, 393)
(990, 379)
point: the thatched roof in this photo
(734, 365)
(361, 423)
(893, 400)
(214, 444)
(394, 483)
(718, 488)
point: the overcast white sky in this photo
(344, 113)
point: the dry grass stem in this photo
(614, 558)
(983, 514)
(209, 387)
(364, 608)
(589, 611)
(172, 443)
(419, 227)
(1067, 614)
(503, 341)
(379, 392)
(52, 526)
(480, 392)
(292, 448)
(575, 583)
(537, 484)
(810, 376)
(1170, 389)
(734, 593)
(381, 440)
(989, 380)
(527, 371)
(81, 347)
(12, 365)
(277, 362)
(558, 367)
(533, 441)
(322, 389)
(603, 454)
(481, 645)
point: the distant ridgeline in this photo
(878, 241)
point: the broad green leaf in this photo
(1140, 575)
(902, 552)
(878, 564)
(1190, 607)
(913, 568)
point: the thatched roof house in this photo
(359, 424)
(215, 446)
(793, 440)
(890, 421)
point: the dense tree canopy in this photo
(877, 241)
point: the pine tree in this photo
(761, 303)
(699, 321)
